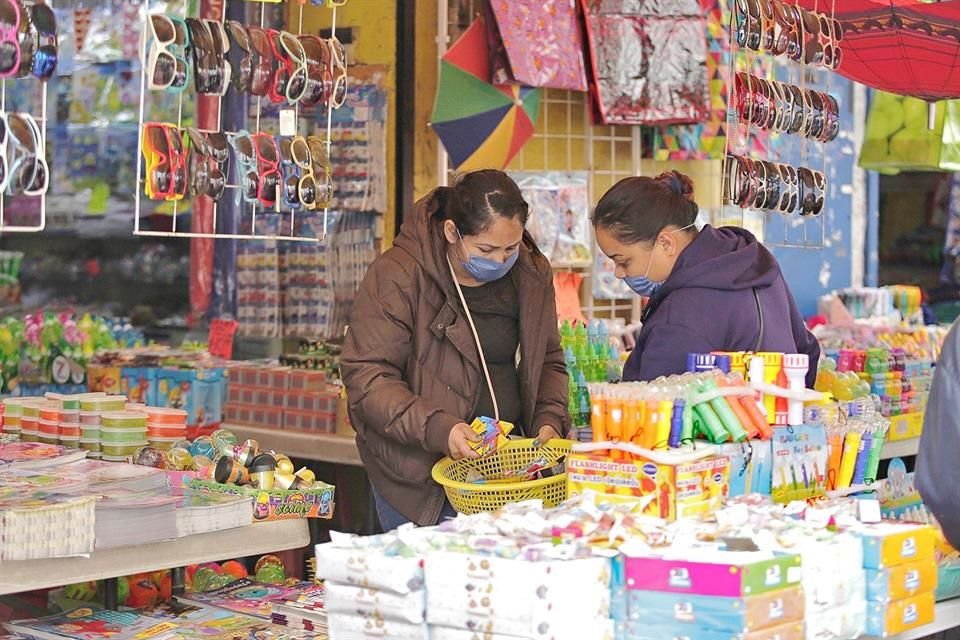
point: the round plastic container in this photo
(119, 435)
(29, 437)
(161, 416)
(107, 458)
(50, 412)
(136, 406)
(166, 431)
(49, 439)
(70, 415)
(47, 428)
(121, 450)
(70, 443)
(70, 403)
(90, 417)
(93, 455)
(90, 444)
(12, 409)
(11, 428)
(164, 444)
(103, 403)
(90, 433)
(30, 424)
(13, 421)
(69, 431)
(31, 409)
(124, 419)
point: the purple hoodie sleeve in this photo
(805, 341)
(938, 473)
(664, 353)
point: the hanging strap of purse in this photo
(476, 337)
(756, 298)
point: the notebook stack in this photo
(302, 612)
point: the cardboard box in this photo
(106, 379)
(901, 582)
(733, 615)
(890, 618)
(889, 545)
(672, 491)
(635, 631)
(726, 574)
(905, 427)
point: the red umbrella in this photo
(901, 46)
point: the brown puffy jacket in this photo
(412, 370)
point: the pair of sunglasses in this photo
(210, 46)
(813, 187)
(24, 155)
(163, 150)
(258, 163)
(168, 42)
(10, 54)
(44, 34)
(208, 155)
(308, 182)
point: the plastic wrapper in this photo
(559, 215)
(649, 61)
(543, 43)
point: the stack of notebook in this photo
(302, 612)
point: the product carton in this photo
(888, 544)
(890, 618)
(902, 581)
(670, 490)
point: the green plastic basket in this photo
(948, 583)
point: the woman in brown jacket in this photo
(457, 320)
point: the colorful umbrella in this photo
(481, 125)
(907, 47)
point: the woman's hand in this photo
(459, 441)
(546, 434)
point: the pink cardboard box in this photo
(300, 380)
(727, 574)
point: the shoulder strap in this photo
(756, 298)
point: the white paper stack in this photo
(203, 513)
(125, 518)
(39, 525)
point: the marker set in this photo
(856, 433)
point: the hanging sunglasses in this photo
(246, 163)
(290, 174)
(832, 128)
(812, 188)
(4, 165)
(29, 173)
(338, 68)
(206, 171)
(263, 68)
(241, 55)
(211, 70)
(166, 165)
(320, 153)
(268, 166)
(10, 21)
(45, 56)
(165, 68)
(318, 72)
(283, 70)
(297, 86)
(307, 184)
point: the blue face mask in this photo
(642, 285)
(486, 270)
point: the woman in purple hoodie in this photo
(708, 290)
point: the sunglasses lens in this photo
(165, 71)
(217, 146)
(160, 179)
(268, 191)
(250, 184)
(290, 189)
(340, 90)
(299, 152)
(308, 190)
(267, 148)
(44, 19)
(163, 27)
(217, 184)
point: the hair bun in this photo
(677, 182)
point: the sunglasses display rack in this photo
(811, 39)
(287, 176)
(28, 50)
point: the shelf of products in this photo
(266, 537)
(322, 447)
(900, 448)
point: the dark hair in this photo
(637, 209)
(476, 197)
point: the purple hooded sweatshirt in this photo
(708, 304)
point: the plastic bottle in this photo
(795, 367)
(583, 400)
(566, 335)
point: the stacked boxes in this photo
(371, 594)
(833, 583)
(901, 575)
(281, 398)
(712, 594)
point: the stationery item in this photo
(889, 545)
(902, 581)
(888, 619)
(90, 623)
(242, 596)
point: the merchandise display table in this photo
(322, 447)
(255, 539)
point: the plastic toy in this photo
(234, 568)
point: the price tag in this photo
(220, 342)
(288, 122)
